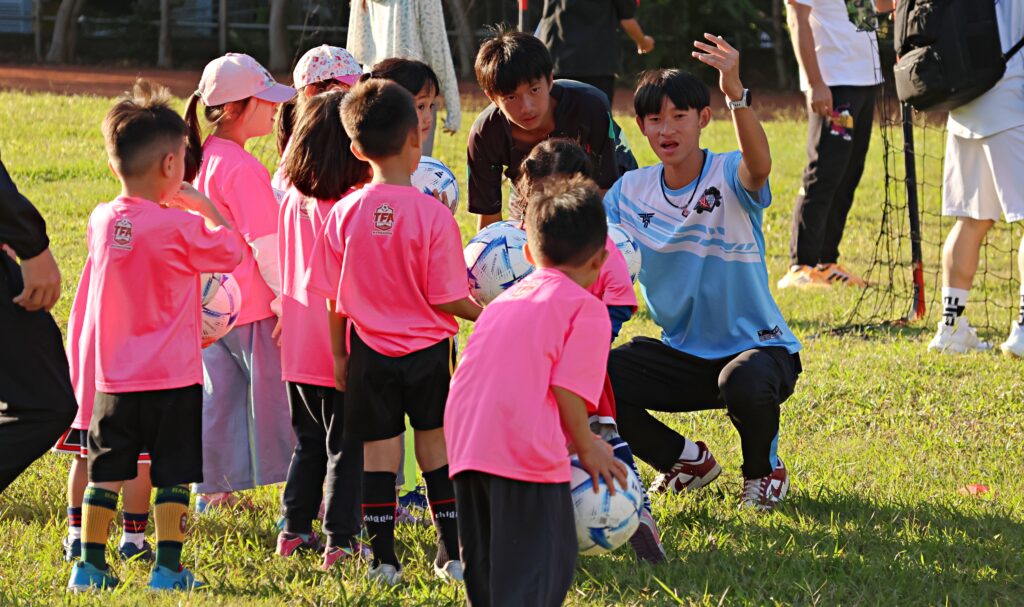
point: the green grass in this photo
(879, 437)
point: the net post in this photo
(917, 304)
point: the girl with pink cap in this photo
(247, 435)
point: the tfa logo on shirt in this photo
(122, 234)
(383, 219)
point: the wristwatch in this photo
(742, 102)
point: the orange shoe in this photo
(835, 273)
(804, 277)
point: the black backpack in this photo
(949, 52)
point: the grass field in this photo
(879, 437)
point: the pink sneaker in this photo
(646, 541)
(766, 492)
(334, 554)
(689, 474)
(290, 543)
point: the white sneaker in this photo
(1014, 344)
(768, 491)
(958, 339)
(451, 572)
(389, 574)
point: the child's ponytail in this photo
(194, 151)
(285, 125)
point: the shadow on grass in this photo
(827, 549)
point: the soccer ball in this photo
(222, 301)
(495, 260)
(604, 521)
(629, 248)
(433, 175)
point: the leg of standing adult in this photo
(753, 385)
(862, 112)
(962, 250)
(37, 403)
(829, 147)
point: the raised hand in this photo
(724, 58)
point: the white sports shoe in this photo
(451, 572)
(958, 339)
(1014, 344)
(389, 574)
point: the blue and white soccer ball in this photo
(604, 521)
(495, 260)
(629, 248)
(221, 300)
(433, 175)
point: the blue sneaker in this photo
(130, 551)
(414, 499)
(166, 579)
(72, 549)
(86, 576)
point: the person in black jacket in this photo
(36, 399)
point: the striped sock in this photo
(98, 510)
(74, 523)
(134, 529)
(171, 514)
(441, 495)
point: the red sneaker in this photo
(289, 543)
(689, 474)
(766, 492)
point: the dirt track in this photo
(111, 81)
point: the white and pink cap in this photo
(237, 76)
(326, 63)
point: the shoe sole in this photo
(705, 480)
(646, 546)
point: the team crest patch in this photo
(123, 234)
(383, 219)
(709, 200)
(646, 219)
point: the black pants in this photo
(835, 162)
(37, 402)
(605, 84)
(648, 375)
(322, 456)
(518, 540)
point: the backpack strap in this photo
(1016, 47)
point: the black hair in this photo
(410, 74)
(565, 220)
(684, 89)
(142, 128)
(509, 59)
(320, 161)
(287, 112)
(213, 114)
(555, 156)
(378, 116)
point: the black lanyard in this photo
(686, 208)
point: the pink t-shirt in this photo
(240, 187)
(305, 339)
(388, 254)
(502, 417)
(613, 286)
(144, 292)
(81, 350)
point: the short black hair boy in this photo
(378, 116)
(684, 89)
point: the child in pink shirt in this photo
(143, 302)
(560, 157)
(507, 439)
(247, 434)
(389, 260)
(321, 169)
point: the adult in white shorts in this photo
(984, 178)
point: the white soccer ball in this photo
(629, 248)
(222, 301)
(495, 260)
(433, 175)
(604, 521)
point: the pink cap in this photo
(326, 63)
(236, 76)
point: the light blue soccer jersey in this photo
(703, 270)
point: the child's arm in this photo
(191, 199)
(757, 156)
(339, 352)
(594, 453)
(463, 308)
(644, 44)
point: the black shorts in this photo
(166, 423)
(382, 390)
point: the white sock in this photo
(690, 450)
(1020, 317)
(75, 533)
(133, 538)
(954, 302)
